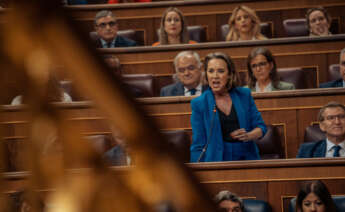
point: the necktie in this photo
(336, 151)
(109, 44)
(192, 91)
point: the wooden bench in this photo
(290, 111)
(212, 14)
(274, 181)
(313, 55)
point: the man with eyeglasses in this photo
(106, 27)
(188, 76)
(339, 82)
(332, 122)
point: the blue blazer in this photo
(332, 84)
(312, 149)
(202, 112)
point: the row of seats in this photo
(145, 82)
(142, 82)
(269, 145)
(251, 205)
(292, 27)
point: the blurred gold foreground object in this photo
(58, 157)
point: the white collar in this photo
(198, 89)
(330, 145)
(267, 88)
(105, 43)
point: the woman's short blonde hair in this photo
(163, 36)
(233, 34)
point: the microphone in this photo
(209, 135)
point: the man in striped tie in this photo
(188, 76)
(332, 122)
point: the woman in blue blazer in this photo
(225, 120)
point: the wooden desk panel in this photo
(275, 181)
(210, 13)
(290, 111)
(279, 178)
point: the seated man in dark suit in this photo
(339, 82)
(189, 76)
(332, 122)
(118, 155)
(106, 27)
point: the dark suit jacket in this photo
(119, 42)
(116, 156)
(332, 84)
(176, 89)
(312, 149)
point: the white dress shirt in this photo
(330, 149)
(198, 92)
(266, 89)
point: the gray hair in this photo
(227, 195)
(341, 53)
(187, 53)
(102, 14)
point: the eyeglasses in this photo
(341, 117)
(104, 25)
(259, 65)
(189, 68)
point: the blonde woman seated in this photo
(262, 71)
(173, 29)
(244, 24)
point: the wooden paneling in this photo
(314, 55)
(290, 111)
(210, 13)
(274, 181)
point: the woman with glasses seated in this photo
(244, 24)
(173, 29)
(262, 72)
(318, 21)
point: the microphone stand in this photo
(209, 135)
